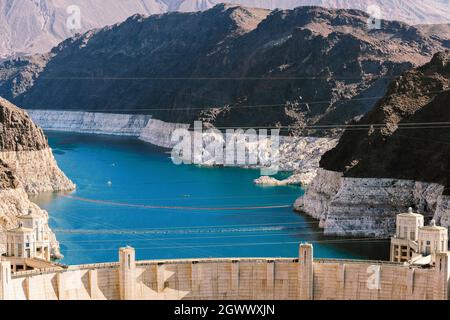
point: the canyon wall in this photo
(143, 127)
(159, 133)
(318, 196)
(442, 212)
(37, 170)
(24, 150)
(300, 278)
(367, 206)
(394, 157)
(27, 167)
(90, 122)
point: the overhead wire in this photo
(225, 105)
(345, 240)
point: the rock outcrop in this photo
(159, 133)
(442, 212)
(397, 157)
(295, 179)
(27, 166)
(365, 206)
(37, 171)
(7, 178)
(301, 156)
(24, 148)
(319, 194)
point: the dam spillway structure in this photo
(423, 276)
(302, 278)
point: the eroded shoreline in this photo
(300, 155)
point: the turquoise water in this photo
(124, 185)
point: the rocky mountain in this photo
(27, 167)
(408, 11)
(406, 135)
(395, 157)
(229, 65)
(35, 26)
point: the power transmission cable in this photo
(227, 105)
(347, 240)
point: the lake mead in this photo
(130, 193)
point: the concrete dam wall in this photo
(301, 278)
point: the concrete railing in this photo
(213, 260)
(64, 268)
(356, 261)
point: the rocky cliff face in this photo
(7, 178)
(159, 133)
(18, 132)
(24, 149)
(27, 167)
(365, 206)
(145, 128)
(89, 122)
(245, 64)
(397, 157)
(37, 171)
(17, 76)
(405, 135)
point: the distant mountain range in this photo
(35, 26)
(229, 65)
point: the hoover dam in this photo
(299, 278)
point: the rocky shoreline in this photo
(398, 158)
(142, 127)
(37, 171)
(300, 155)
(367, 207)
(344, 206)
